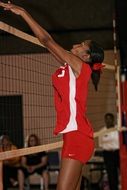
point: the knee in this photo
(45, 174)
(20, 173)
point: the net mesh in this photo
(28, 76)
(26, 93)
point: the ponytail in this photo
(96, 53)
(95, 76)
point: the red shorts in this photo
(78, 146)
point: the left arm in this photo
(44, 161)
(45, 38)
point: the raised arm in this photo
(44, 37)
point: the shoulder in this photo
(85, 73)
(86, 66)
(103, 129)
(86, 69)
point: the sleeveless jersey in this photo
(70, 100)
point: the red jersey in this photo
(70, 99)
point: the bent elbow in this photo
(45, 40)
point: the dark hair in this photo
(3, 137)
(9, 143)
(96, 53)
(110, 115)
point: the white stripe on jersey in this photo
(72, 125)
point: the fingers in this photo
(3, 4)
(6, 6)
(11, 7)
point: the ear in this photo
(86, 57)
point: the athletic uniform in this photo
(70, 104)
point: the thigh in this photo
(24, 171)
(117, 158)
(6, 175)
(14, 172)
(41, 170)
(70, 173)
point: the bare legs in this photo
(21, 179)
(45, 176)
(70, 175)
(79, 182)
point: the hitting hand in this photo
(11, 7)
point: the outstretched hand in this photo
(11, 7)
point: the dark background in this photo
(72, 21)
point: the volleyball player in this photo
(70, 83)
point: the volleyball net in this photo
(26, 93)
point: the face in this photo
(80, 50)
(109, 121)
(32, 141)
(5, 142)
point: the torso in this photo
(70, 99)
(34, 159)
(110, 140)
